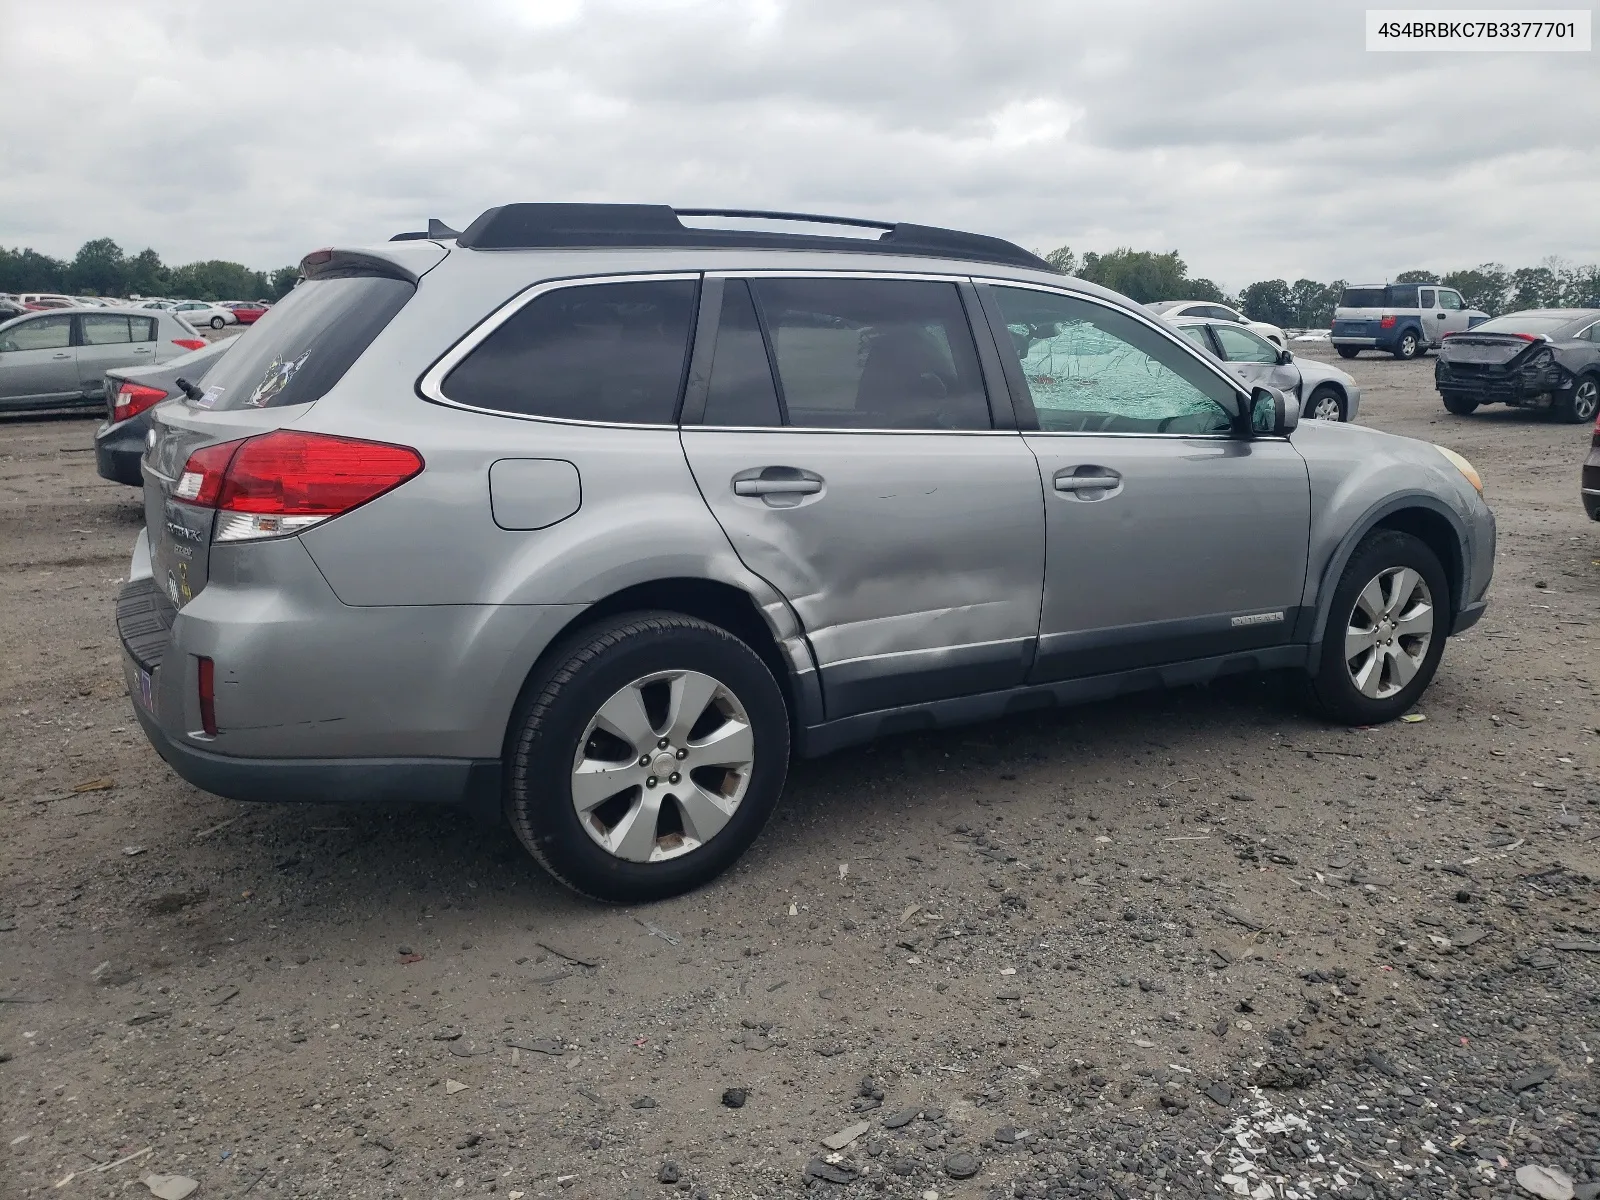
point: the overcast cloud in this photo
(1259, 139)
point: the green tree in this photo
(1535, 287)
(1416, 277)
(146, 275)
(216, 279)
(1270, 301)
(1312, 303)
(280, 283)
(1063, 259)
(27, 270)
(99, 268)
(1484, 286)
(1141, 275)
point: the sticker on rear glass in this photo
(278, 375)
(209, 397)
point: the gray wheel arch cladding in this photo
(1457, 566)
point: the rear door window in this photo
(1425, 298)
(873, 354)
(299, 350)
(105, 331)
(612, 352)
(741, 391)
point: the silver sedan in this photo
(1325, 392)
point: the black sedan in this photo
(1545, 358)
(131, 392)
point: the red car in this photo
(248, 311)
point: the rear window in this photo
(593, 352)
(1523, 323)
(305, 344)
(1361, 298)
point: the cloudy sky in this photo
(1259, 139)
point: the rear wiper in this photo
(189, 389)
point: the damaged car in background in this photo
(1546, 358)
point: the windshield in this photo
(305, 343)
(1524, 323)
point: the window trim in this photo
(429, 387)
(1001, 412)
(1023, 404)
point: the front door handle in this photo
(1087, 483)
(61, 356)
(776, 487)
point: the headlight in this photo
(1464, 467)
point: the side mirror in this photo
(1272, 414)
(1285, 358)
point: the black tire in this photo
(1410, 345)
(1333, 690)
(557, 706)
(1320, 396)
(1348, 351)
(1462, 406)
(1578, 405)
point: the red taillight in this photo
(1385, 322)
(201, 481)
(133, 398)
(208, 696)
(285, 482)
(190, 343)
(287, 473)
(1527, 337)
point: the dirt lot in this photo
(1183, 944)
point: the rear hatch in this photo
(1361, 310)
(293, 356)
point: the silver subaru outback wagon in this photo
(592, 518)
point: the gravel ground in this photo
(1182, 944)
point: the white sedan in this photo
(201, 312)
(1173, 309)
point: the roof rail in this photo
(548, 226)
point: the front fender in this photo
(1328, 581)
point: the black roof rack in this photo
(547, 226)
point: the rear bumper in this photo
(118, 449)
(1591, 503)
(1366, 343)
(463, 782)
(1502, 387)
(321, 701)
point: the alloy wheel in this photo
(1586, 400)
(1388, 633)
(662, 766)
(1327, 408)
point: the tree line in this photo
(100, 268)
(1145, 276)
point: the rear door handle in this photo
(776, 487)
(61, 356)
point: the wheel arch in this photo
(1422, 516)
(787, 654)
